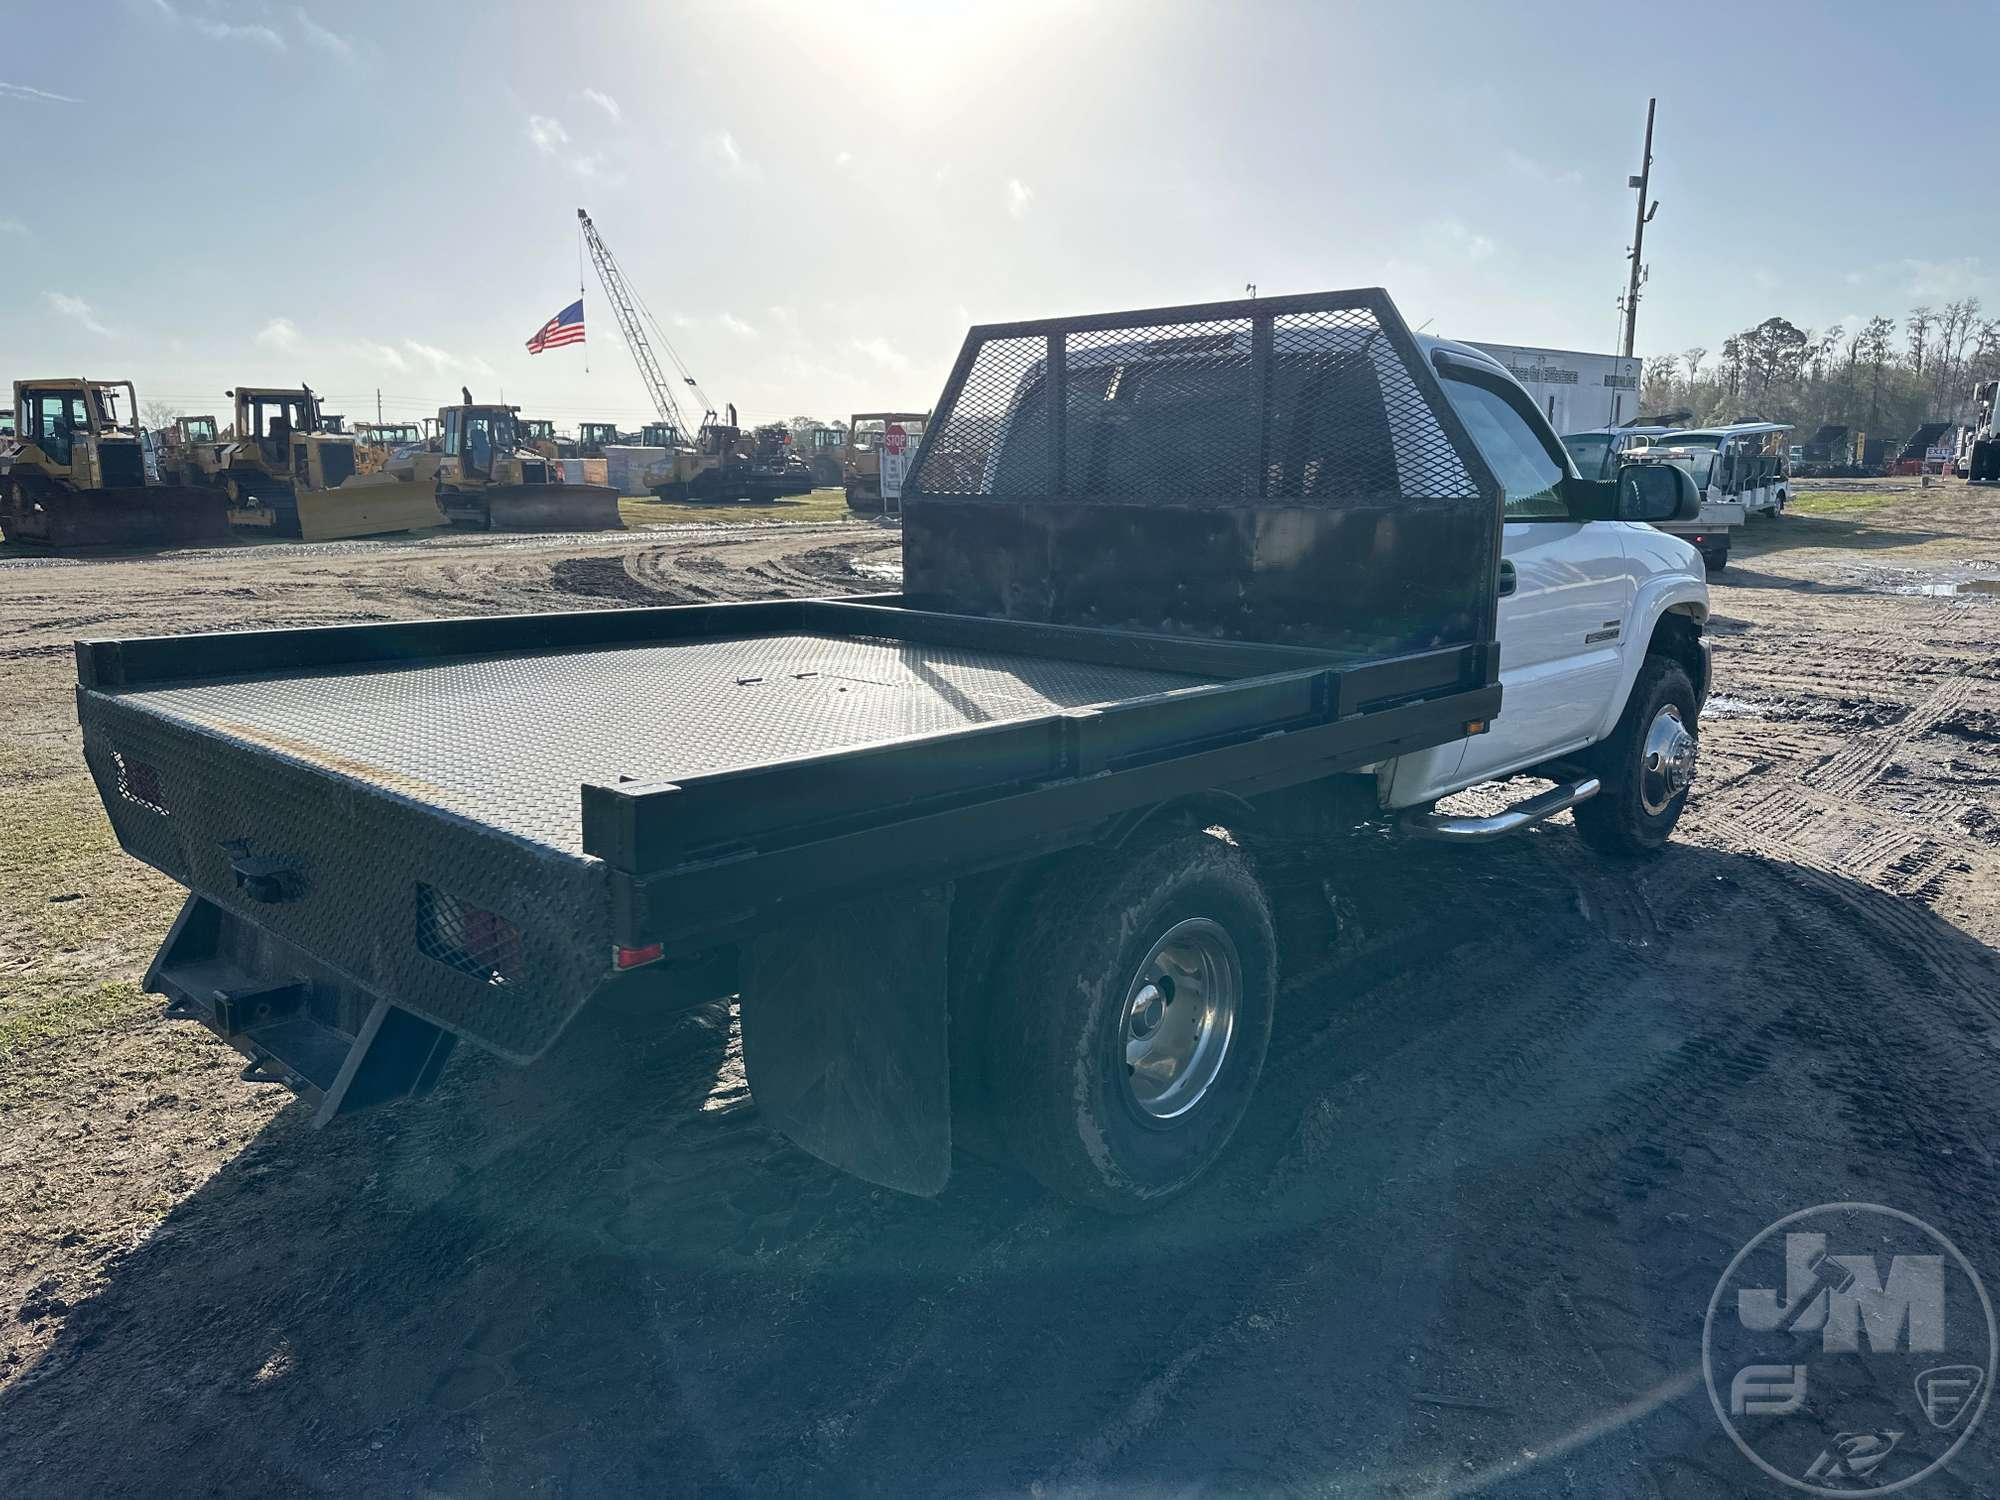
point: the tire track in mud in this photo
(1855, 767)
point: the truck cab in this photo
(1584, 597)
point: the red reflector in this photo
(632, 958)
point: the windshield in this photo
(1591, 453)
(868, 431)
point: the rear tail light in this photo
(633, 958)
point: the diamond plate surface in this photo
(508, 740)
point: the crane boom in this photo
(633, 317)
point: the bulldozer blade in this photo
(552, 507)
(123, 516)
(367, 509)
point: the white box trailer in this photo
(1575, 391)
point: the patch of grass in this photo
(818, 507)
(1835, 502)
(76, 916)
(53, 1009)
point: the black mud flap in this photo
(844, 1036)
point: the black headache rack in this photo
(398, 835)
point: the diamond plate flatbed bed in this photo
(582, 783)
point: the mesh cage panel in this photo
(1312, 402)
(1280, 469)
(1003, 397)
(1158, 411)
(1348, 421)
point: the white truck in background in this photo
(1740, 469)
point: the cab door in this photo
(1565, 588)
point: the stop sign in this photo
(895, 439)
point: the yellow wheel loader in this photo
(75, 475)
(488, 477)
(287, 476)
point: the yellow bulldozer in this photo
(75, 474)
(487, 475)
(285, 475)
(377, 443)
(861, 459)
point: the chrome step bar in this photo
(1537, 809)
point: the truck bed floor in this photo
(508, 739)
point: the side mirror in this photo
(1657, 492)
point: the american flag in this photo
(566, 327)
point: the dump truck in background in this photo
(75, 474)
(983, 859)
(487, 476)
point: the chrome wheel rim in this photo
(1179, 1018)
(1666, 764)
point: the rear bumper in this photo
(483, 934)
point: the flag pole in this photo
(579, 294)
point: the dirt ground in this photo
(1508, 1138)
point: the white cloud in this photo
(884, 353)
(843, 159)
(1019, 196)
(736, 326)
(22, 91)
(604, 102)
(12, 226)
(77, 311)
(547, 134)
(319, 36)
(1449, 239)
(722, 153)
(279, 334)
(384, 355)
(1540, 171)
(224, 31)
(443, 361)
(1947, 278)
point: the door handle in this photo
(1507, 579)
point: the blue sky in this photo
(817, 198)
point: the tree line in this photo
(1883, 378)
